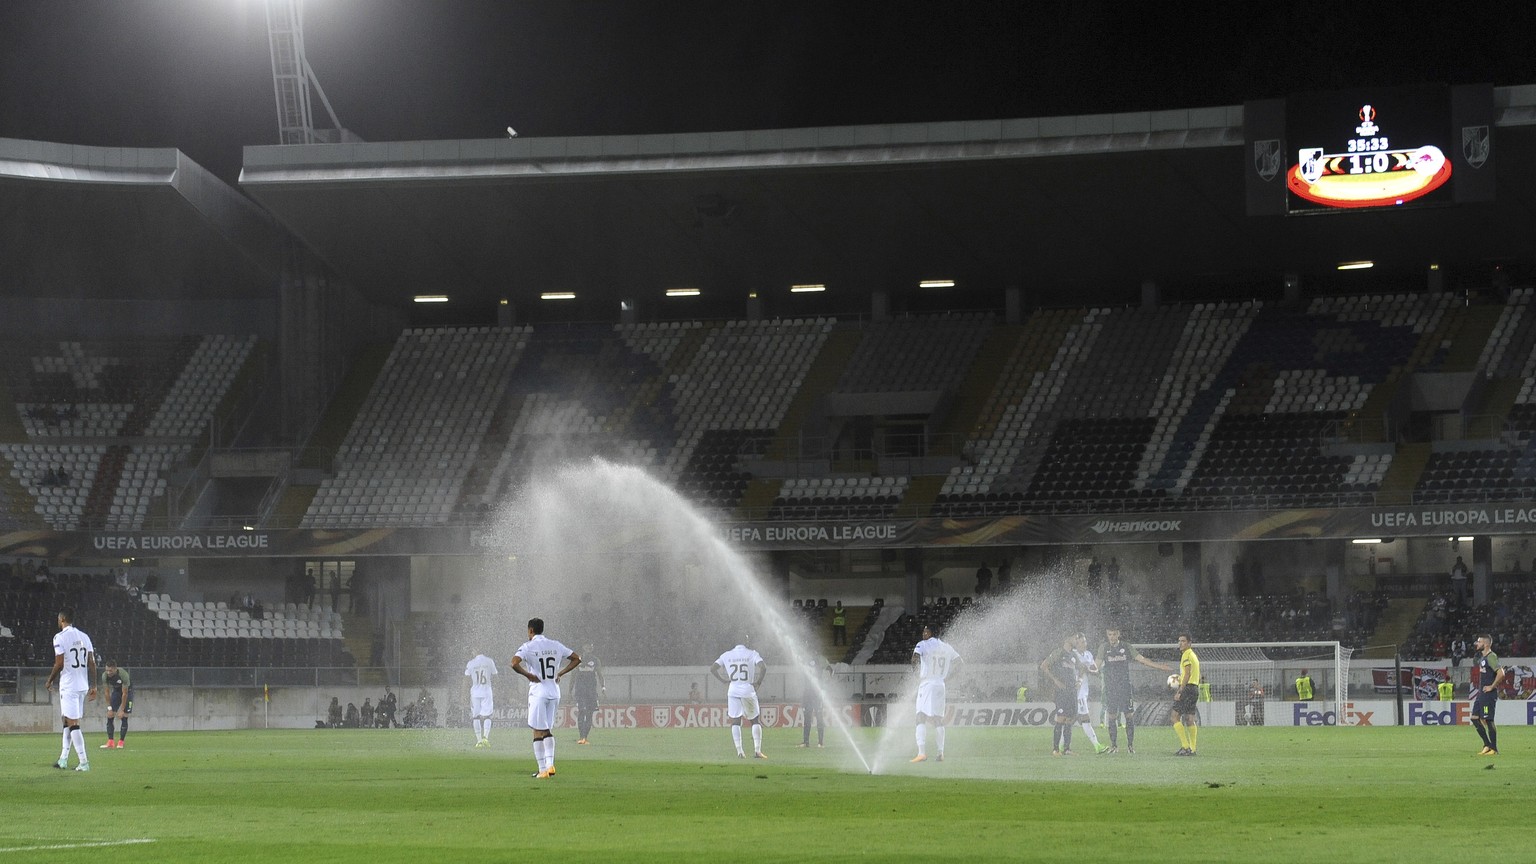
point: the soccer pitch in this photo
(1253, 794)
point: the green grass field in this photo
(1379, 794)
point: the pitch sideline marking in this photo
(129, 842)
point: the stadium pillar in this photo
(914, 586)
(1482, 569)
(1191, 560)
(879, 305)
(1151, 295)
(1333, 570)
(1013, 304)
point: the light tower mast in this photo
(292, 79)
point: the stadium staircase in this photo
(341, 413)
(1403, 474)
(820, 380)
(921, 493)
(1394, 627)
(357, 635)
(1467, 330)
(977, 389)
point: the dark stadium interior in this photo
(217, 380)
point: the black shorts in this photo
(1066, 701)
(1184, 703)
(1119, 700)
(1483, 705)
(119, 697)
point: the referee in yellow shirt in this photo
(1186, 718)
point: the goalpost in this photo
(1230, 668)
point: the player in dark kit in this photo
(1115, 658)
(1485, 697)
(115, 681)
(1062, 668)
(586, 686)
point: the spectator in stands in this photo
(839, 624)
(354, 588)
(1459, 580)
(1458, 650)
(335, 592)
(1520, 646)
(1095, 575)
(983, 579)
(309, 588)
(366, 713)
(1004, 576)
(333, 714)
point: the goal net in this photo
(1248, 678)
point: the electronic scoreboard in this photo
(1359, 149)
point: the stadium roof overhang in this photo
(1070, 209)
(97, 223)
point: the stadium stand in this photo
(103, 421)
(407, 456)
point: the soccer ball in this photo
(1173, 682)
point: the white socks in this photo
(757, 737)
(539, 753)
(485, 726)
(478, 734)
(940, 732)
(1088, 730)
(922, 740)
(78, 737)
(736, 737)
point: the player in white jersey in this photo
(481, 703)
(74, 670)
(1089, 667)
(935, 661)
(543, 661)
(742, 669)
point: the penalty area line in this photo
(133, 841)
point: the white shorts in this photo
(930, 699)
(741, 706)
(72, 703)
(542, 711)
(482, 706)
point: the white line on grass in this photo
(129, 842)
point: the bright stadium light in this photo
(807, 288)
(1366, 541)
(936, 283)
(431, 298)
(558, 295)
(682, 292)
(1357, 265)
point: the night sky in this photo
(196, 74)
